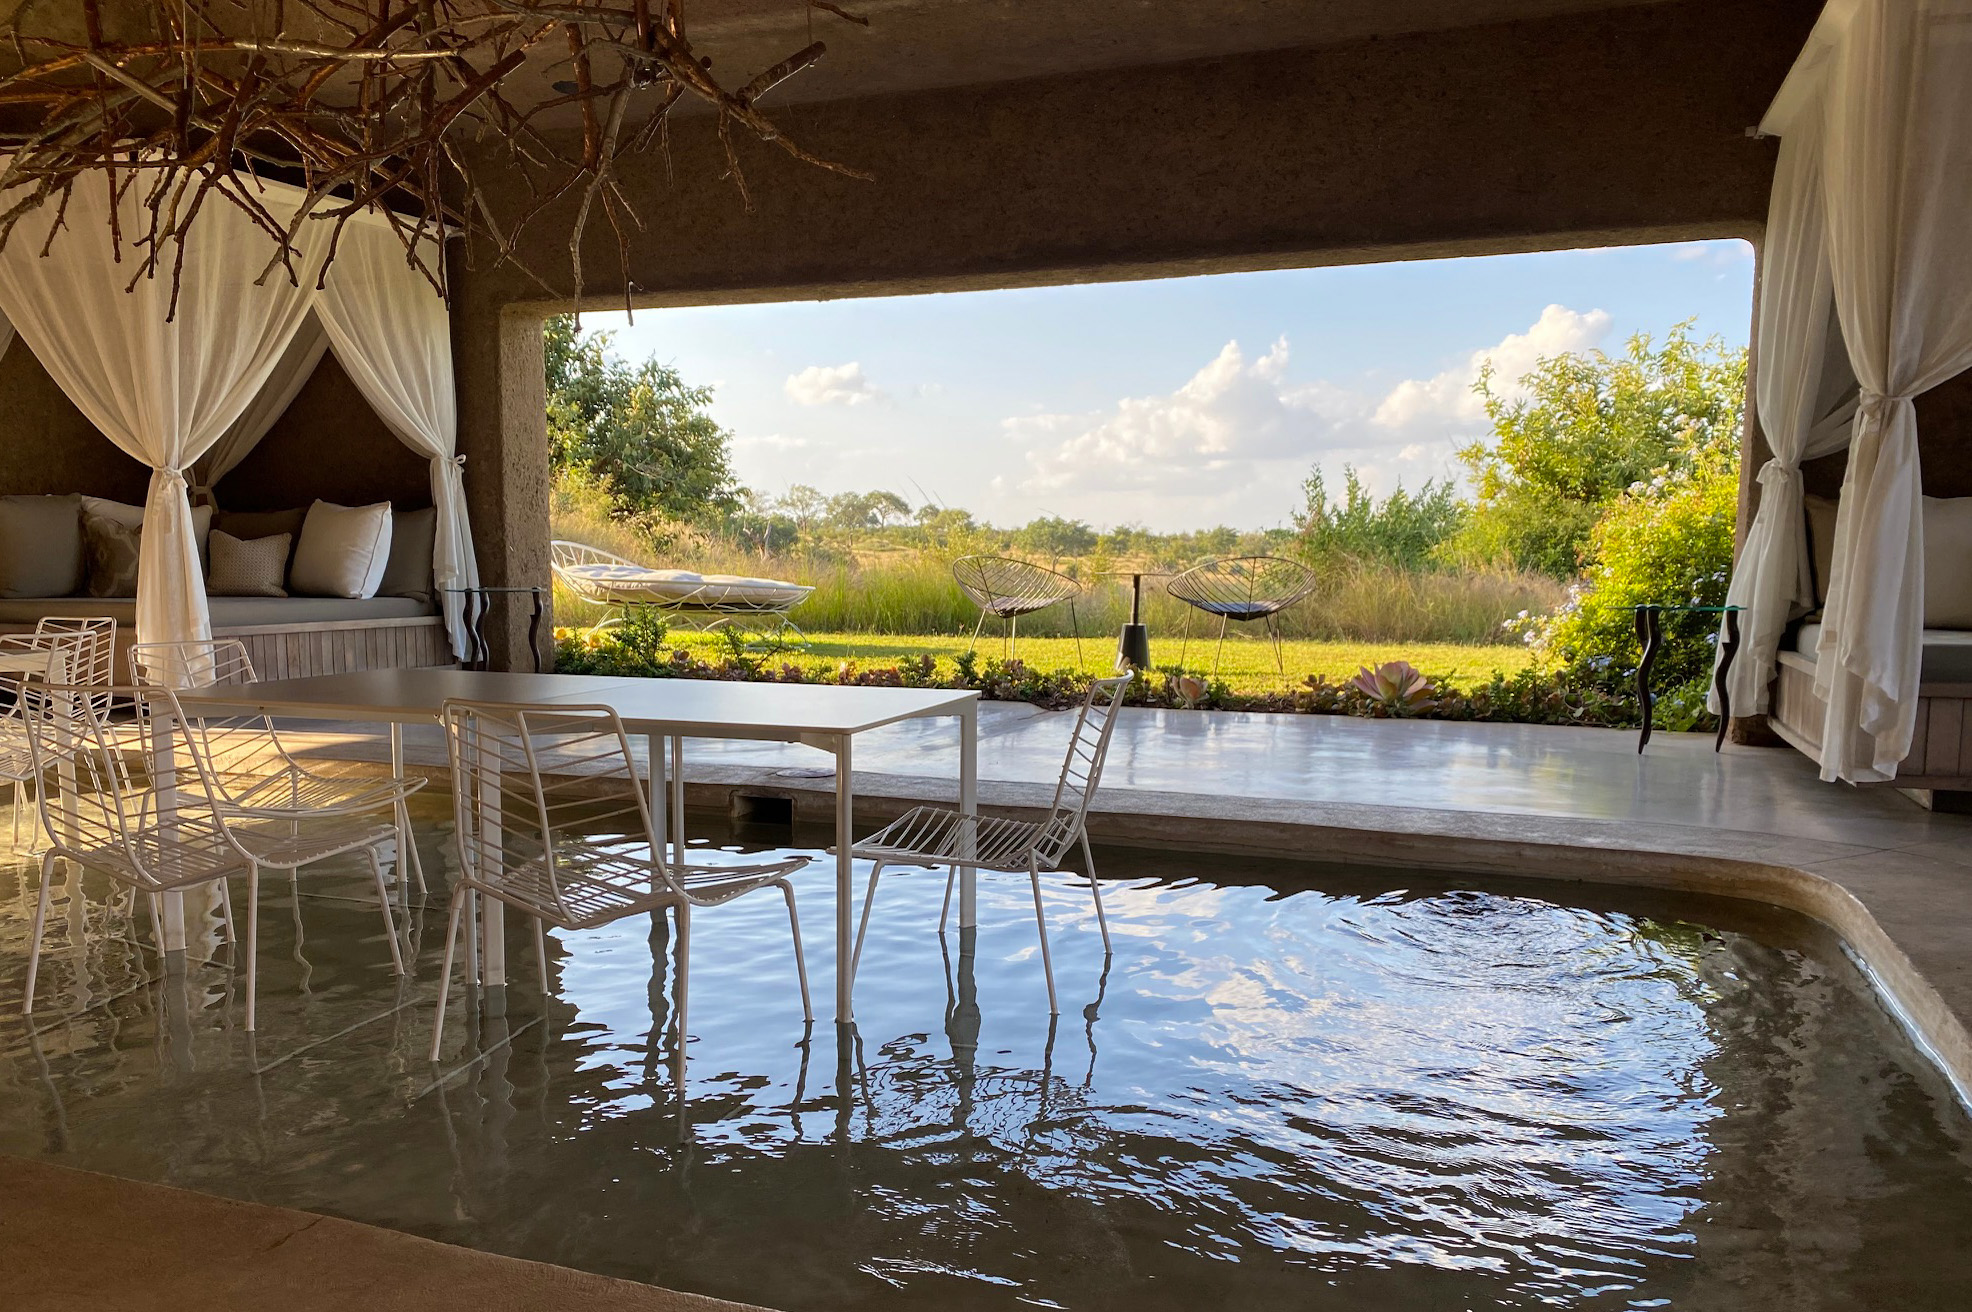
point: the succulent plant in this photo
(1396, 687)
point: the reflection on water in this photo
(1292, 1087)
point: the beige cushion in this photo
(342, 552)
(247, 567)
(1948, 563)
(122, 512)
(408, 572)
(41, 546)
(1821, 541)
(112, 548)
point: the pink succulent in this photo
(1396, 686)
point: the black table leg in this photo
(481, 653)
(1728, 648)
(534, 632)
(1650, 632)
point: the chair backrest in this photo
(214, 662)
(996, 583)
(105, 807)
(1081, 769)
(242, 754)
(92, 659)
(1244, 587)
(546, 799)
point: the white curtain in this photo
(1773, 577)
(162, 391)
(1897, 169)
(390, 331)
(291, 374)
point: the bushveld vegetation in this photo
(1603, 482)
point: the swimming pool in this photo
(1293, 1086)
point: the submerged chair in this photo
(1007, 589)
(939, 836)
(254, 776)
(1242, 590)
(69, 651)
(151, 832)
(570, 843)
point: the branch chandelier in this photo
(368, 106)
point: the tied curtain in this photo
(1897, 167)
(164, 391)
(391, 333)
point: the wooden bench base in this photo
(1940, 750)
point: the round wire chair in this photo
(1007, 589)
(1242, 590)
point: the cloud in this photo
(831, 384)
(1448, 396)
(1239, 423)
(773, 442)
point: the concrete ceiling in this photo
(920, 44)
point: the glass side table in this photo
(478, 602)
(1650, 632)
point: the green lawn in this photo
(1247, 664)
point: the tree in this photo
(639, 430)
(803, 504)
(1055, 537)
(1589, 427)
(1404, 529)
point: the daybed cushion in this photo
(1947, 654)
(133, 517)
(343, 551)
(1948, 562)
(227, 612)
(111, 547)
(40, 546)
(407, 573)
(249, 567)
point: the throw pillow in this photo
(112, 548)
(408, 571)
(342, 552)
(133, 517)
(41, 546)
(1948, 562)
(247, 567)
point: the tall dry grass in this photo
(911, 592)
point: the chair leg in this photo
(801, 958)
(541, 952)
(1220, 650)
(253, 944)
(226, 912)
(383, 904)
(445, 972)
(1273, 631)
(1075, 627)
(1089, 864)
(951, 878)
(157, 924)
(1184, 640)
(1041, 923)
(684, 973)
(976, 629)
(869, 900)
(40, 922)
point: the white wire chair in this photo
(552, 819)
(72, 651)
(154, 831)
(940, 836)
(1006, 589)
(253, 774)
(1242, 590)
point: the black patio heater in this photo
(1133, 645)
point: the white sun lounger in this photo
(609, 580)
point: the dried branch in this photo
(368, 103)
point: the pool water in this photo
(1293, 1086)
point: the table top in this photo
(691, 707)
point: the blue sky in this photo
(1179, 403)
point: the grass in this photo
(1247, 664)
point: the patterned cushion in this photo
(111, 550)
(247, 567)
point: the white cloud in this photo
(831, 384)
(1448, 396)
(1240, 424)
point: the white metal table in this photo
(662, 710)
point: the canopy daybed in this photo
(188, 373)
(1865, 303)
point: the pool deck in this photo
(1892, 877)
(1559, 803)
